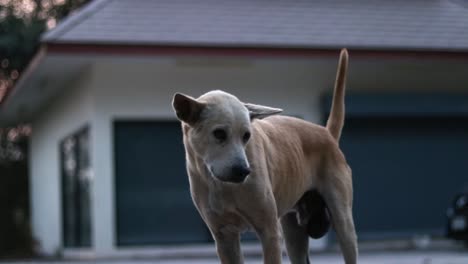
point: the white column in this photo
(45, 195)
(103, 186)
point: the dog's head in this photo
(218, 128)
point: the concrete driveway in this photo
(385, 257)
(384, 252)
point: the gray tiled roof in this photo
(367, 24)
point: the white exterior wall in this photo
(145, 89)
(68, 113)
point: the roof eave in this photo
(167, 49)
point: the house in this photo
(107, 161)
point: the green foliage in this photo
(15, 233)
(19, 40)
(16, 239)
(21, 24)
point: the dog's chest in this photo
(225, 208)
(221, 202)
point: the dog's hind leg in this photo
(296, 239)
(337, 192)
(344, 228)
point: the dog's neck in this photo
(195, 165)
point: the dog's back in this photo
(295, 148)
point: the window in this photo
(77, 176)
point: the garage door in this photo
(405, 171)
(153, 203)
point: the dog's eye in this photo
(246, 136)
(220, 134)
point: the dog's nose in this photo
(239, 173)
(241, 170)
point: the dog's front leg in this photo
(228, 247)
(269, 235)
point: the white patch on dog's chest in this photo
(222, 207)
(220, 202)
(216, 205)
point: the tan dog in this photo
(248, 169)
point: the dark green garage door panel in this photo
(153, 203)
(405, 171)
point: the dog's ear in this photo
(187, 109)
(260, 111)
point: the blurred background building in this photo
(107, 168)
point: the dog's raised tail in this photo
(337, 113)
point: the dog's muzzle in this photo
(236, 174)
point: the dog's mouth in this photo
(233, 178)
(237, 179)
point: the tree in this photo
(21, 24)
(15, 232)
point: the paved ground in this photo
(388, 257)
(385, 252)
(374, 258)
